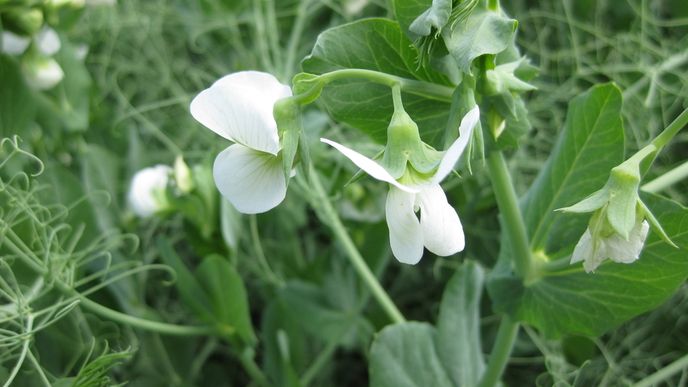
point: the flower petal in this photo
(452, 155)
(583, 248)
(13, 44)
(142, 198)
(48, 42)
(239, 107)
(371, 167)
(627, 251)
(442, 230)
(405, 234)
(251, 180)
(43, 73)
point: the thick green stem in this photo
(667, 134)
(512, 220)
(332, 219)
(506, 336)
(412, 86)
(668, 179)
(247, 361)
(665, 373)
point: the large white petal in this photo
(368, 165)
(405, 234)
(452, 155)
(239, 107)
(48, 42)
(442, 230)
(251, 180)
(14, 44)
(627, 251)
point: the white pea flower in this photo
(13, 44)
(593, 250)
(439, 228)
(239, 108)
(146, 194)
(43, 73)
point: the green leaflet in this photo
(483, 32)
(570, 301)
(418, 354)
(379, 45)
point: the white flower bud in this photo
(147, 188)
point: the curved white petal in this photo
(43, 73)
(239, 107)
(627, 251)
(369, 166)
(583, 248)
(452, 155)
(48, 42)
(251, 180)
(14, 44)
(442, 230)
(405, 235)
(141, 197)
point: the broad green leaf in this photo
(458, 326)
(591, 143)
(404, 355)
(17, 107)
(227, 295)
(379, 45)
(407, 11)
(483, 32)
(434, 17)
(571, 301)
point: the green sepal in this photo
(656, 226)
(287, 115)
(623, 198)
(591, 203)
(23, 21)
(404, 146)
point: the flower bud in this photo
(147, 192)
(182, 175)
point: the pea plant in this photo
(583, 250)
(357, 211)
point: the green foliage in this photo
(374, 44)
(418, 354)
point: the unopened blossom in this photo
(595, 247)
(439, 228)
(239, 107)
(41, 70)
(147, 191)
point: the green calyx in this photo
(405, 148)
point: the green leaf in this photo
(17, 107)
(483, 32)
(407, 11)
(227, 295)
(571, 301)
(434, 17)
(379, 45)
(404, 355)
(591, 144)
(458, 326)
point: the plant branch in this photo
(359, 264)
(506, 336)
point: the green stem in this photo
(412, 86)
(493, 5)
(665, 373)
(247, 361)
(359, 264)
(506, 336)
(667, 134)
(512, 220)
(668, 179)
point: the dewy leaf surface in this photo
(379, 45)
